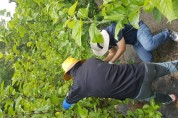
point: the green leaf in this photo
(107, 1)
(2, 85)
(175, 8)
(54, 99)
(37, 1)
(152, 102)
(71, 10)
(157, 15)
(114, 17)
(17, 103)
(126, 2)
(166, 8)
(95, 35)
(47, 7)
(158, 114)
(140, 111)
(71, 24)
(77, 32)
(43, 109)
(11, 112)
(15, 50)
(83, 13)
(82, 111)
(134, 18)
(148, 5)
(1, 36)
(104, 11)
(54, 16)
(119, 26)
(146, 106)
(130, 113)
(29, 44)
(1, 55)
(58, 114)
(9, 102)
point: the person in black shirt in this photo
(142, 40)
(96, 78)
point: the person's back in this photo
(100, 79)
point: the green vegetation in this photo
(148, 111)
(42, 34)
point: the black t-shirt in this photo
(96, 78)
(128, 32)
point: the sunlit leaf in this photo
(54, 16)
(1, 55)
(82, 111)
(166, 8)
(107, 1)
(77, 32)
(134, 18)
(175, 8)
(42, 109)
(11, 112)
(83, 13)
(117, 29)
(37, 1)
(29, 44)
(95, 35)
(71, 10)
(71, 24)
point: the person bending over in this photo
(96, 78)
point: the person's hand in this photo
(66, 105)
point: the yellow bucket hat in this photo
(67, 65)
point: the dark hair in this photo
(74, 68)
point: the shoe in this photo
(173, 97)
(173, 35)
(140, 23)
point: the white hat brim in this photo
(99, 51)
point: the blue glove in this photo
(66, 105)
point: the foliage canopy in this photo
(43, 33)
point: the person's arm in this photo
(121, 49)
(110, 54)
(72, 97)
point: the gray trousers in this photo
(154, 71)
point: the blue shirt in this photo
(128, 32)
